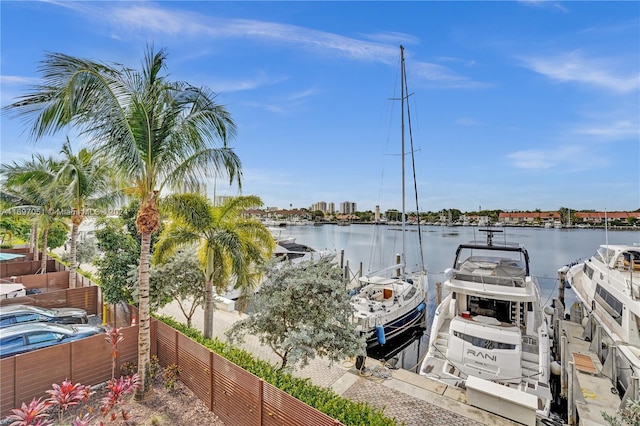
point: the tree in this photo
(158, 134)
(86, 251)
(57, 235)
(393, 215)
(12, 225)
(34, 184)
(302, 311)
(181, 280)
(230, 245)
(89, 183)
(120, 254)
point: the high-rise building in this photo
(347, 207)
(320, 205)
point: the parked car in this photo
(18, 314)
(23, 338)
(9, 290)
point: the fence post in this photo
(260, 400)
(211, 378)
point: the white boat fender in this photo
(382, 339)
(549, 310)
(556, 368)
(584, 322)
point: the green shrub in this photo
(170, 376)
(322, 399)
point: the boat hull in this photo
(410, 320)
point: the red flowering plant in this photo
(35, 413)
(114, 337)
(67, 395)
(118, 389)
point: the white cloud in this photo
(611, 131)
(17, 80)
(546, 4)
(574, 67)
(443, 76)
(382, 49)
(394, 38)
(570, 157)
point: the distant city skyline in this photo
(515, 105)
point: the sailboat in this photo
(391, 301)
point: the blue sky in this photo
(515, 106)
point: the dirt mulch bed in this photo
(163, 407)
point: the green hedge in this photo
(323, 399)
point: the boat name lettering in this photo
(482, 355)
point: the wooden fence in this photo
(87, 298)
(233, 394)
(12, 268)
(236, 396)
(86, 361)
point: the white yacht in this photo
(607, 286)
(287, 249)
(490, 331)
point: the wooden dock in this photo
(588, 391)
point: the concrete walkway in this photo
(407, 396)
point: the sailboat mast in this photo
(402, 98)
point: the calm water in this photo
(375, 246)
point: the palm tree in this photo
(35, 185)
(158, 134)
(89, 182)
(230, 245)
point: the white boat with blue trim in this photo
(391, 301)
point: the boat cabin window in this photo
(588, 271)
(410, 294)
(610, 304)
(605, 255)
(498, 309)
(483, 343)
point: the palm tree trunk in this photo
(43, 263)
(144, 319)
(72, 255)
(33, 241)
(208, 309)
